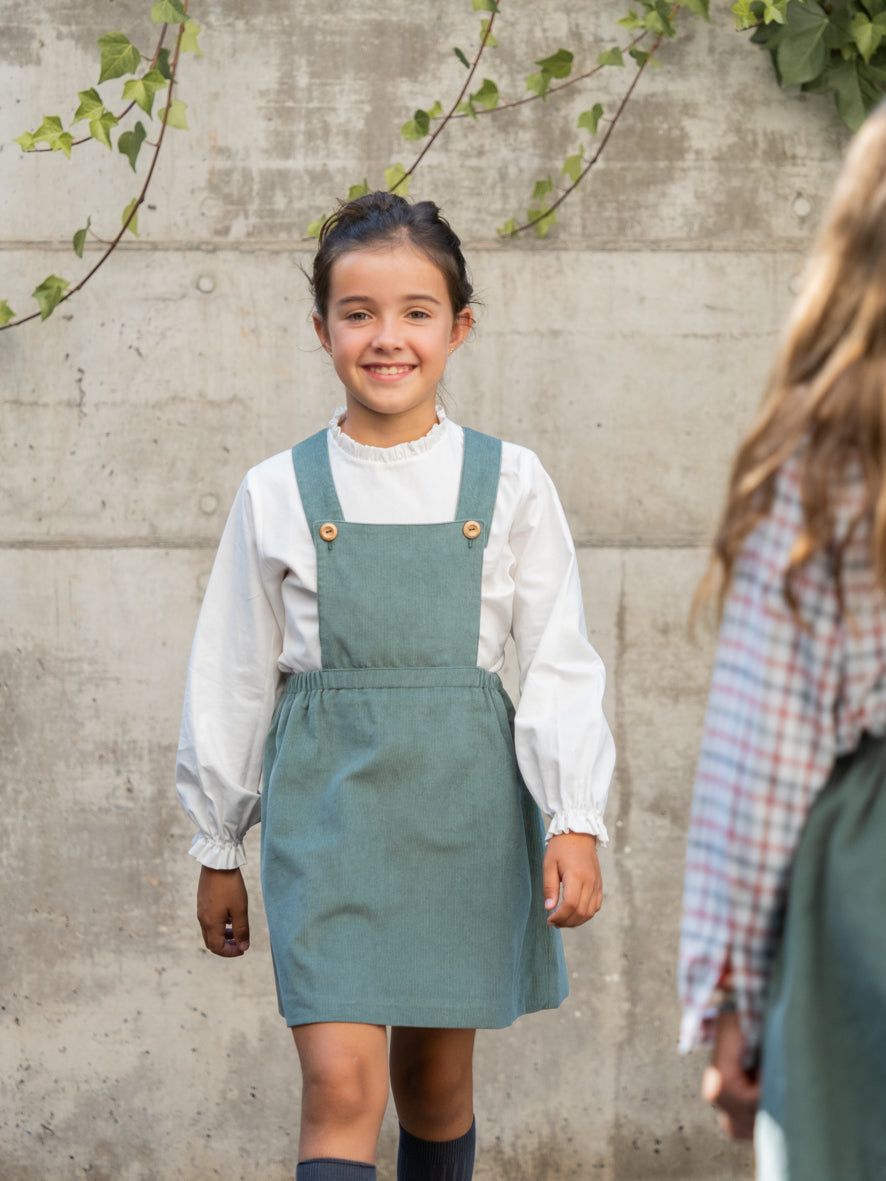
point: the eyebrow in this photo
(421, 298)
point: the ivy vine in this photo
(146, 77)
(836, 47)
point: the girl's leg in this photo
(344, 1092)
(433, 1085)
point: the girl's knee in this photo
(342, 1087)
(433, 1084)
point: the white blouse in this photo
(259, 622)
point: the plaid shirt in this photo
(785, 702)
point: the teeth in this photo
(389, 370)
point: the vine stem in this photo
(603, 142)
(86, 138)
(451, 113)
(139, 200)
(531, 98)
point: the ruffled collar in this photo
(386, 454)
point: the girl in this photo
(347, 653)
(793, 761)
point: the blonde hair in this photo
(826, 394)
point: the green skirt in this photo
(824, 1045)
(402, 853)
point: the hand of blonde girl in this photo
(571, 861)
(222, 911)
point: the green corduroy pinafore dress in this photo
(824, 1044)
(401, 851)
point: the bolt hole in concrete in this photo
(802, 206)
(208, 504)
(206, 284)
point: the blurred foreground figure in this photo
(783, 947)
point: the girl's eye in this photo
(418, 314)
(357, 316)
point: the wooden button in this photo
(328, 532)
(472, 529)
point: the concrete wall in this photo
(627, 349)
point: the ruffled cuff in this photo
(578, 822)
(215, 854)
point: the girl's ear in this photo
(462, 325)
(320, 329)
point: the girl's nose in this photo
(387, 336)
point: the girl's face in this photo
(389, 328)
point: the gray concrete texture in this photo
(628, 349)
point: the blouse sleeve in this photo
(769, 743)
(564, 747)
(230, 694)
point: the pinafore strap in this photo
(480, 471)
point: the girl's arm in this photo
(230, 693)
(563, 743)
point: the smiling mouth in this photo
(389, 370)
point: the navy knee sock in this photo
(328, 1168)
(436, 1160)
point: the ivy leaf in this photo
(611, 57)
(699, 7)
(660, 22)
(467, 108)
(80, 238)
(542, 187)
(844, 79)
(142, 90)
(168, 12)
(176, 117)
(487, 95)
(6, 313)
(436, 110)
(589, 119)
(417, 127)
(50, 132)
(640, 56)
(631, 21)
(509, 229)
(489, 39)
(485, 5)
(559, 65)
(867, 35)
(100, 128)
(131, 208)
(801, 54)
(546, 219)
(572, 166)
(313, 230)
(775, 13)
(48, 295)
(189, 39)
(356, 191)
(461, 57)
(130, 143)
(119, 56)
(163, 63)
(393, 176)
(539, 83)
(747, 13)
(91, 106)
(27, 141)
(874, 7)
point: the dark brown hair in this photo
(382, 218)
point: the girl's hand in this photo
(222, 911)
(571, 859)
(727, 1084)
